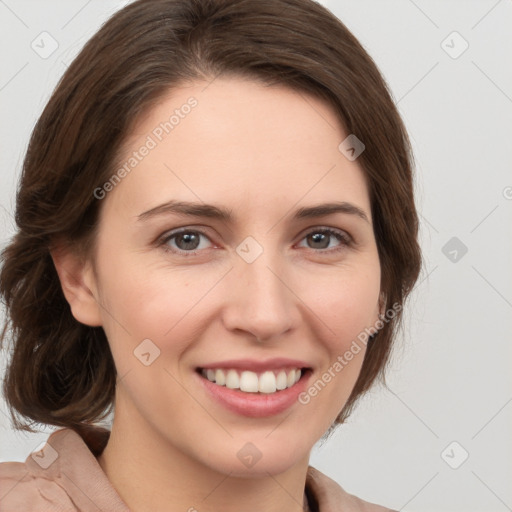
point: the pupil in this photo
(321, 238)
(190, 240)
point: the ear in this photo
(78, 284)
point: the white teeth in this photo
(250, 382)
(267, 383)
(232, 380)
(281, 381)
(220, 377)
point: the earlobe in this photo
(78, 285)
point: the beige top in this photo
(65, 476)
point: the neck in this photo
(149, 473)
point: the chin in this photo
(260, 458)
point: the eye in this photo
(321, 238)
(186, 242)
(189, 242)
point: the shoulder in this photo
(22, 490)
(63, 475)
(329, 495)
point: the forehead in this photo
(240, 143)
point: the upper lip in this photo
(257, 366)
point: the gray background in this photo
(450, 378)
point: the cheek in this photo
(345, 299)
(156, 301)
(346, 302)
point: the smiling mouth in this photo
(266, 382)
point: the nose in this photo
(261, 301)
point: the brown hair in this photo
(61, 372)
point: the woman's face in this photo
(264, 285)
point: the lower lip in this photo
(256, 405)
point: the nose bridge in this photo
(260, 301)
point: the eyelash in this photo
(344, 238)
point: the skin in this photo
(263, 152)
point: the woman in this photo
(216, 235)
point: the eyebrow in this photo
(224, 214)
